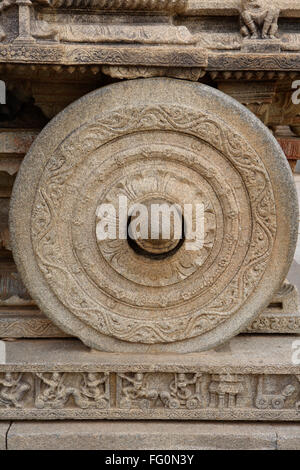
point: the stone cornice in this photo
(173, 6)
(289, 8)
(79, 32)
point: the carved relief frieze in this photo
(149, 395)
(86, 390)
(29, 53)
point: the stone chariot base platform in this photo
(150, 435)
(251, 378)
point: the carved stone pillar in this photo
(24, 22)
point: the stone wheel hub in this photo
(154, 240)
(154, 142)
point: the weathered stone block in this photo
(288, 437)
(124, 435)
(4, 427)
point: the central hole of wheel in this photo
(157, 229)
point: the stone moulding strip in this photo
(247, 379)
(152, 56)
(175, 56)
(186, 7)
(33, 324)
(168, 6)
(238, 61)
(289, 8)
(205, 415)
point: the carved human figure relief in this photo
(51, 391)
(93, 391)
(225, 389)
(259, 19)
(88, 390)
(185, 392)
(135, 391)
(12, 389)
(149, 394)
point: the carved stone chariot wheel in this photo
(154, 141)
